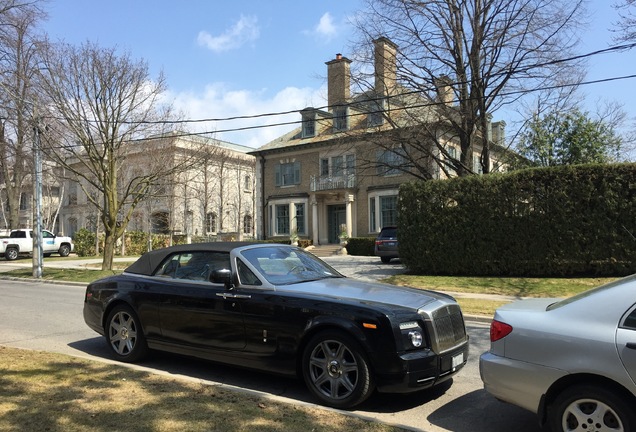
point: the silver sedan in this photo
(573, 361)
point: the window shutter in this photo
(296, 172)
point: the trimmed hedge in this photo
(361, 246)
(558, 221)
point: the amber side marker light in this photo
(369, 325)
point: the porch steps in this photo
(325, 250)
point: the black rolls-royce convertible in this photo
(279, 309)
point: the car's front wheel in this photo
(124, 335)
(336, 370)
(587, 407)
(11, 254)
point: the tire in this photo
(589, 407)
(124, 335)
(65, 250)
(385, 260)
(336, 371)
(11, 254)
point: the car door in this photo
(626, 342)
(48, 242)
(195, 311)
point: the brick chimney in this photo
(338, 80)
(385, 66)
(444, 90)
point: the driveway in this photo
(368, 268)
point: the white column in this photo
(314, 220)
(348, 215)
(293, 224)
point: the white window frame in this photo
(273, 226)
(375, 197)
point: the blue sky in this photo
(248, 57)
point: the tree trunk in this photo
(109, 251)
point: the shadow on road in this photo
(483, 413)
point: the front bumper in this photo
(419, 370)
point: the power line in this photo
(616, 48)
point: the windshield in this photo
(283, 265)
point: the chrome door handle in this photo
(233, 296)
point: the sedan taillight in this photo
(499, 330)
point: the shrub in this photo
(84, 241)
(558, 221)
(361, 246)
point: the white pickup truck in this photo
(20, 242)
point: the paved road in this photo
(48, 317)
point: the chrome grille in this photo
(449, 329)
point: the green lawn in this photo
(516, 287)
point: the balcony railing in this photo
(322, 183)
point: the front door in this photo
(337, 217)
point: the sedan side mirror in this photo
(223, 276)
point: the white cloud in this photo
(245, 30)
(219, 102)
(326, 26)
(325, 29)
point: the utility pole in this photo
(38, 255)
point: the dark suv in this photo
(386, 244)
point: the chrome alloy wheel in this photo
(333, 369)
(590, 415)
(122, 333)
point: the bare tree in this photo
(19, 50)
(626, 26)
(459, 61)
(102, 106)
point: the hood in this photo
(347, 289)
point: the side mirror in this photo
(223, 276)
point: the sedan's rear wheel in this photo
(385, 260)
(65, 250)
(124, 335)
(586, 407)
(336, 370)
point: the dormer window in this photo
(375, 117)
(309, 123)
(340, 118)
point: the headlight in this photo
(412, 335)
(416, 338)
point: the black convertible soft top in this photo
(148, 262)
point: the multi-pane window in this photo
(390, 161)
(477, 168)
(338, 165)
(247, 224)
(388, 210)
(72, 193)
(372, 225)
(376, 114)
(24, 201)
(300, 218)
(282, 219)
(248, 183)
(324, 167)
(309, 127)
(210, 222)
(288, 174)
(340, 120)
